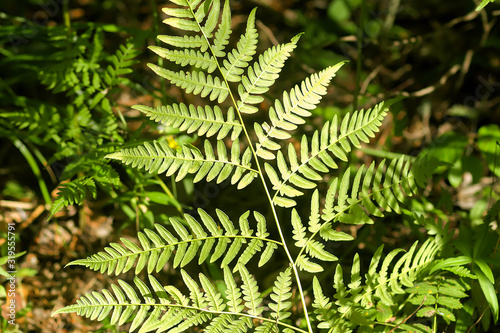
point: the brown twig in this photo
(411, 315)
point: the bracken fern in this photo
(256, 151)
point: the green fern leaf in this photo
(251, 293)
(380, 188)
(281, 294)
(329, 234)
(305, 264)
(213, 297)
(239, 58)
(461, 271)
(299, 233)
(223, 32)
(285, 117)
(98, 305)
(314, 218)
(187, 57)
(382, 279)
(233, 293)
(355, 284)
(316, 250)
(267, 328)
(72, 193)
(195, 82)
(322, 306)
(156, 248)
(219, 324)
(371, 277)
(185, 41)
(158, 157)
(343, 301)
(197, 297)
(212, 8)
(303, 174)
(262, 75)
(254, 246)
(267, 253)
(232, 252)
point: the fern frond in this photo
(122, 305)
(303, 173)
(188, 19)
(196, 41)
(173, 311)
(156, 248)
(405, 272)
(461, 271)
(239, 58)
(195, 82)
(299, 231)
(314, 248)
(158, 158)
(233, 293)
(304, 238)
(326, 314)
(262, 75)
(72, 193)
(221, 38)
(438, 297)
(205, 121)
(296, 104)
(187, 57)
(191, 14)
(304, 263)
(281, 294)
(381, 284)
(381, 188)
(250, 291)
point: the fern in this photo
(438, 298)
(158, 157)
(238, 80)
(354, 299)
(174, 311)
(206, 238)
(206, 121)
(81, 70)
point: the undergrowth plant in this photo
(306, 295)
(64, 128)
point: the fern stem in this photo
(34, 167)
(156, 30)
(360, 54)
(261, 175)
(167, 191)
(67, 17)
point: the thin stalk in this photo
(66, 16)
(261, 175)
(360, 54)
(167, 191)
(34, 167)
(392, 11)
(434, 324)
(44, 162)
(156, 31)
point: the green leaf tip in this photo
(114, 156)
